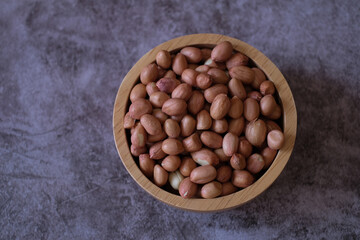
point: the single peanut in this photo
(157, 99)
(238, 161)
(149, 73)
(205, 157)
(255, 132)
(236, 88)
(160, 115)
(192, 54)
(187, 125)
(268, 156)
(163, 59)
(151, 124)
(211, 139)
(192, 143)
(203, 174)
(182, 91)
(222, 52)
(224, 174)
(275, 139)
(251, 109)
(220, 106)
(245, 147)
(211, 190)
(189, 76)
(242, 178)
(139, 136)
(238, 59)
(203, 80)
(267, 87)
(151, 88)
(236, 108)
(255, 163)
(172, 128)
(187, 165)
(138, 91)
(230, 144)
(196, 102)
(129, 122)
(179, 64)
(174, 106)
(258, 78)
(172, 146)
(213, 91)
(187, 189)
(155, 151)
(236, 126)
(146, 165)
(220, 126)
(228, 188)
(242, 73)
(175, 179)
(203, 120)
(218, 76)
(160, 176)
(140, 107)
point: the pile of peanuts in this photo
(203, 121)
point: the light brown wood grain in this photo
(232, 200)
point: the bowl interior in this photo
(289, 123)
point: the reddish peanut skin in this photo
(220, 126)
(236, 88)
(196, 102)
(146, 165)
(245, 147)
(242, 178)
(151, 124)
(205, 157)
(140, 107)
(189, 76)
(171, 163)
(136, 151)
(211, 190)
(172, 128)
(242, 73)
(237, 161)
(255, 163)
(268, 156)
(223, 174)
(151, 88)
(267, 87)
(179, 64)
(258, 79)
(218, 76)
(188, 125)
(251, 109)
(192, 54)
(138, 91)
(255, 132)
(163, 59)
(187, 165)
(203, 174)
(230, 144)
(222, 52)
(149, 73)
(228, 188)
(183, 91)
(238, 59)
(156, 152)
(211, 139)
(220, 107)
(236, 126)
(255, 95)
(172, 146)
(187, 189)
(275, 139)
(160, 176)
(192, 143)
(213, 91)
(174, 106)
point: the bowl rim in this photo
(221, 203)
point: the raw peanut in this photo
(267, 87)
(220, 126)
(132, 130)
(129, 122)
(203, 120)
(151, 124)
(203, 174)
(213, 91)
(183, 91)
(230, 144)
(211, 139)
(258, 79)
(275, 139)
(218, 76)
(139, 136)
(192, 143)
(212, 64)
(172, 146)
(207, 107)
(179, 64)
(238, 161)
(189, 76)
(251, 109)
(175, 179)
(149, 73)
(220, 106)
(172, 128)
(138, 91)
(222, 52)
(202, 69)
(187, 189)
(238, 59)
(160, 176)
(206, 53)
(236, 88)
(187, 125)
(255, 132)
(161, 72)
(245, 148)
(156, 152)
(160, 115)
(236, 107)
(167, 84)
(242, 178)
(151, 88)
(170, 74)
(192, 54)
(139, 108)
(156, 138)
(276, 114)
(146, 165)
(157, 99)
(255, 163)
(174, 106)
(178, 118)
(205, 157)
(211, 190)
(163, 59)
(236, 126)
(220, 153)
(196, 102)
(192, 66)
(187, 165)
(255, 95)
(136, 151)
(228, 188)
(267, 105)
(171, 163)
(203, 81)
(223, 174)
(268, 156)
(271, 125)
(242, 73)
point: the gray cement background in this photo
(61, 63)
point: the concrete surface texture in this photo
(61, 63)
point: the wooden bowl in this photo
(220, 203)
